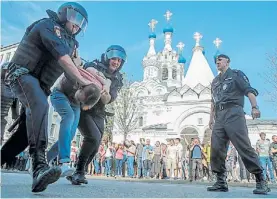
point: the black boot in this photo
(43, 175)
(220, 185)
(78, 177)
(261, 185)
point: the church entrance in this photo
(187, 135)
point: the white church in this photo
(173, 104)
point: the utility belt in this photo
(15, 71)
(221, 107)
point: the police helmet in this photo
(74, 13)
(116, 51)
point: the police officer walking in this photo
(227, 121)
(7, 101)
(44, 53)
(91, 124)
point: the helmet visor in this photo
(76, 18)
(116, 54)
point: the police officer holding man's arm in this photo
(227, 121)
(92, 121)
(44, 53)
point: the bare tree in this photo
(109, 110)
(126, 109)
(271, 77)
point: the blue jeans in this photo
(96, 166)
(266, 163)
(140, 167)
(70, 115)
(130, 162)
(119, 163)
(108, 165)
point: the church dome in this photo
(182, 60)
(152, 35)
(168, 28)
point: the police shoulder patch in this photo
(57, 31)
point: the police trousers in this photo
(91, 127)
(230, 125)
(32, 130)
(7, 100)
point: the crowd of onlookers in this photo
(171, 160)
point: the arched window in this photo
(140, 121)
(159, 91)
(140, 93)
(174, 73)
(165, 74)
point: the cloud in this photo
(143, 44)
(25, 14)
(10, 33)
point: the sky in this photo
(248, 31)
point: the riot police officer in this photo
(44, 53)
(7, 101)
(227, 121)
(91, 124)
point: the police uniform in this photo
(7, 101)
(228, 91)
(92, 122)
(32, 72)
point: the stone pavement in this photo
(151, 180)
(18, 185)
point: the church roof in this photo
(251, 122)
(155, 126)
(199, 70)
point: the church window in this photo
(141, 121)
(165, 74)
(140, 93)
(159, 91)
(151, 72)
(200, 121)
(174, 73)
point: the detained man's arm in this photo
(67, 64)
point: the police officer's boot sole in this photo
(76, 182)
(261, 192)
(218, 189)
(49, 176)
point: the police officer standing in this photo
(91, 124)
(7, 101)
(44, 53)
(227, 121)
